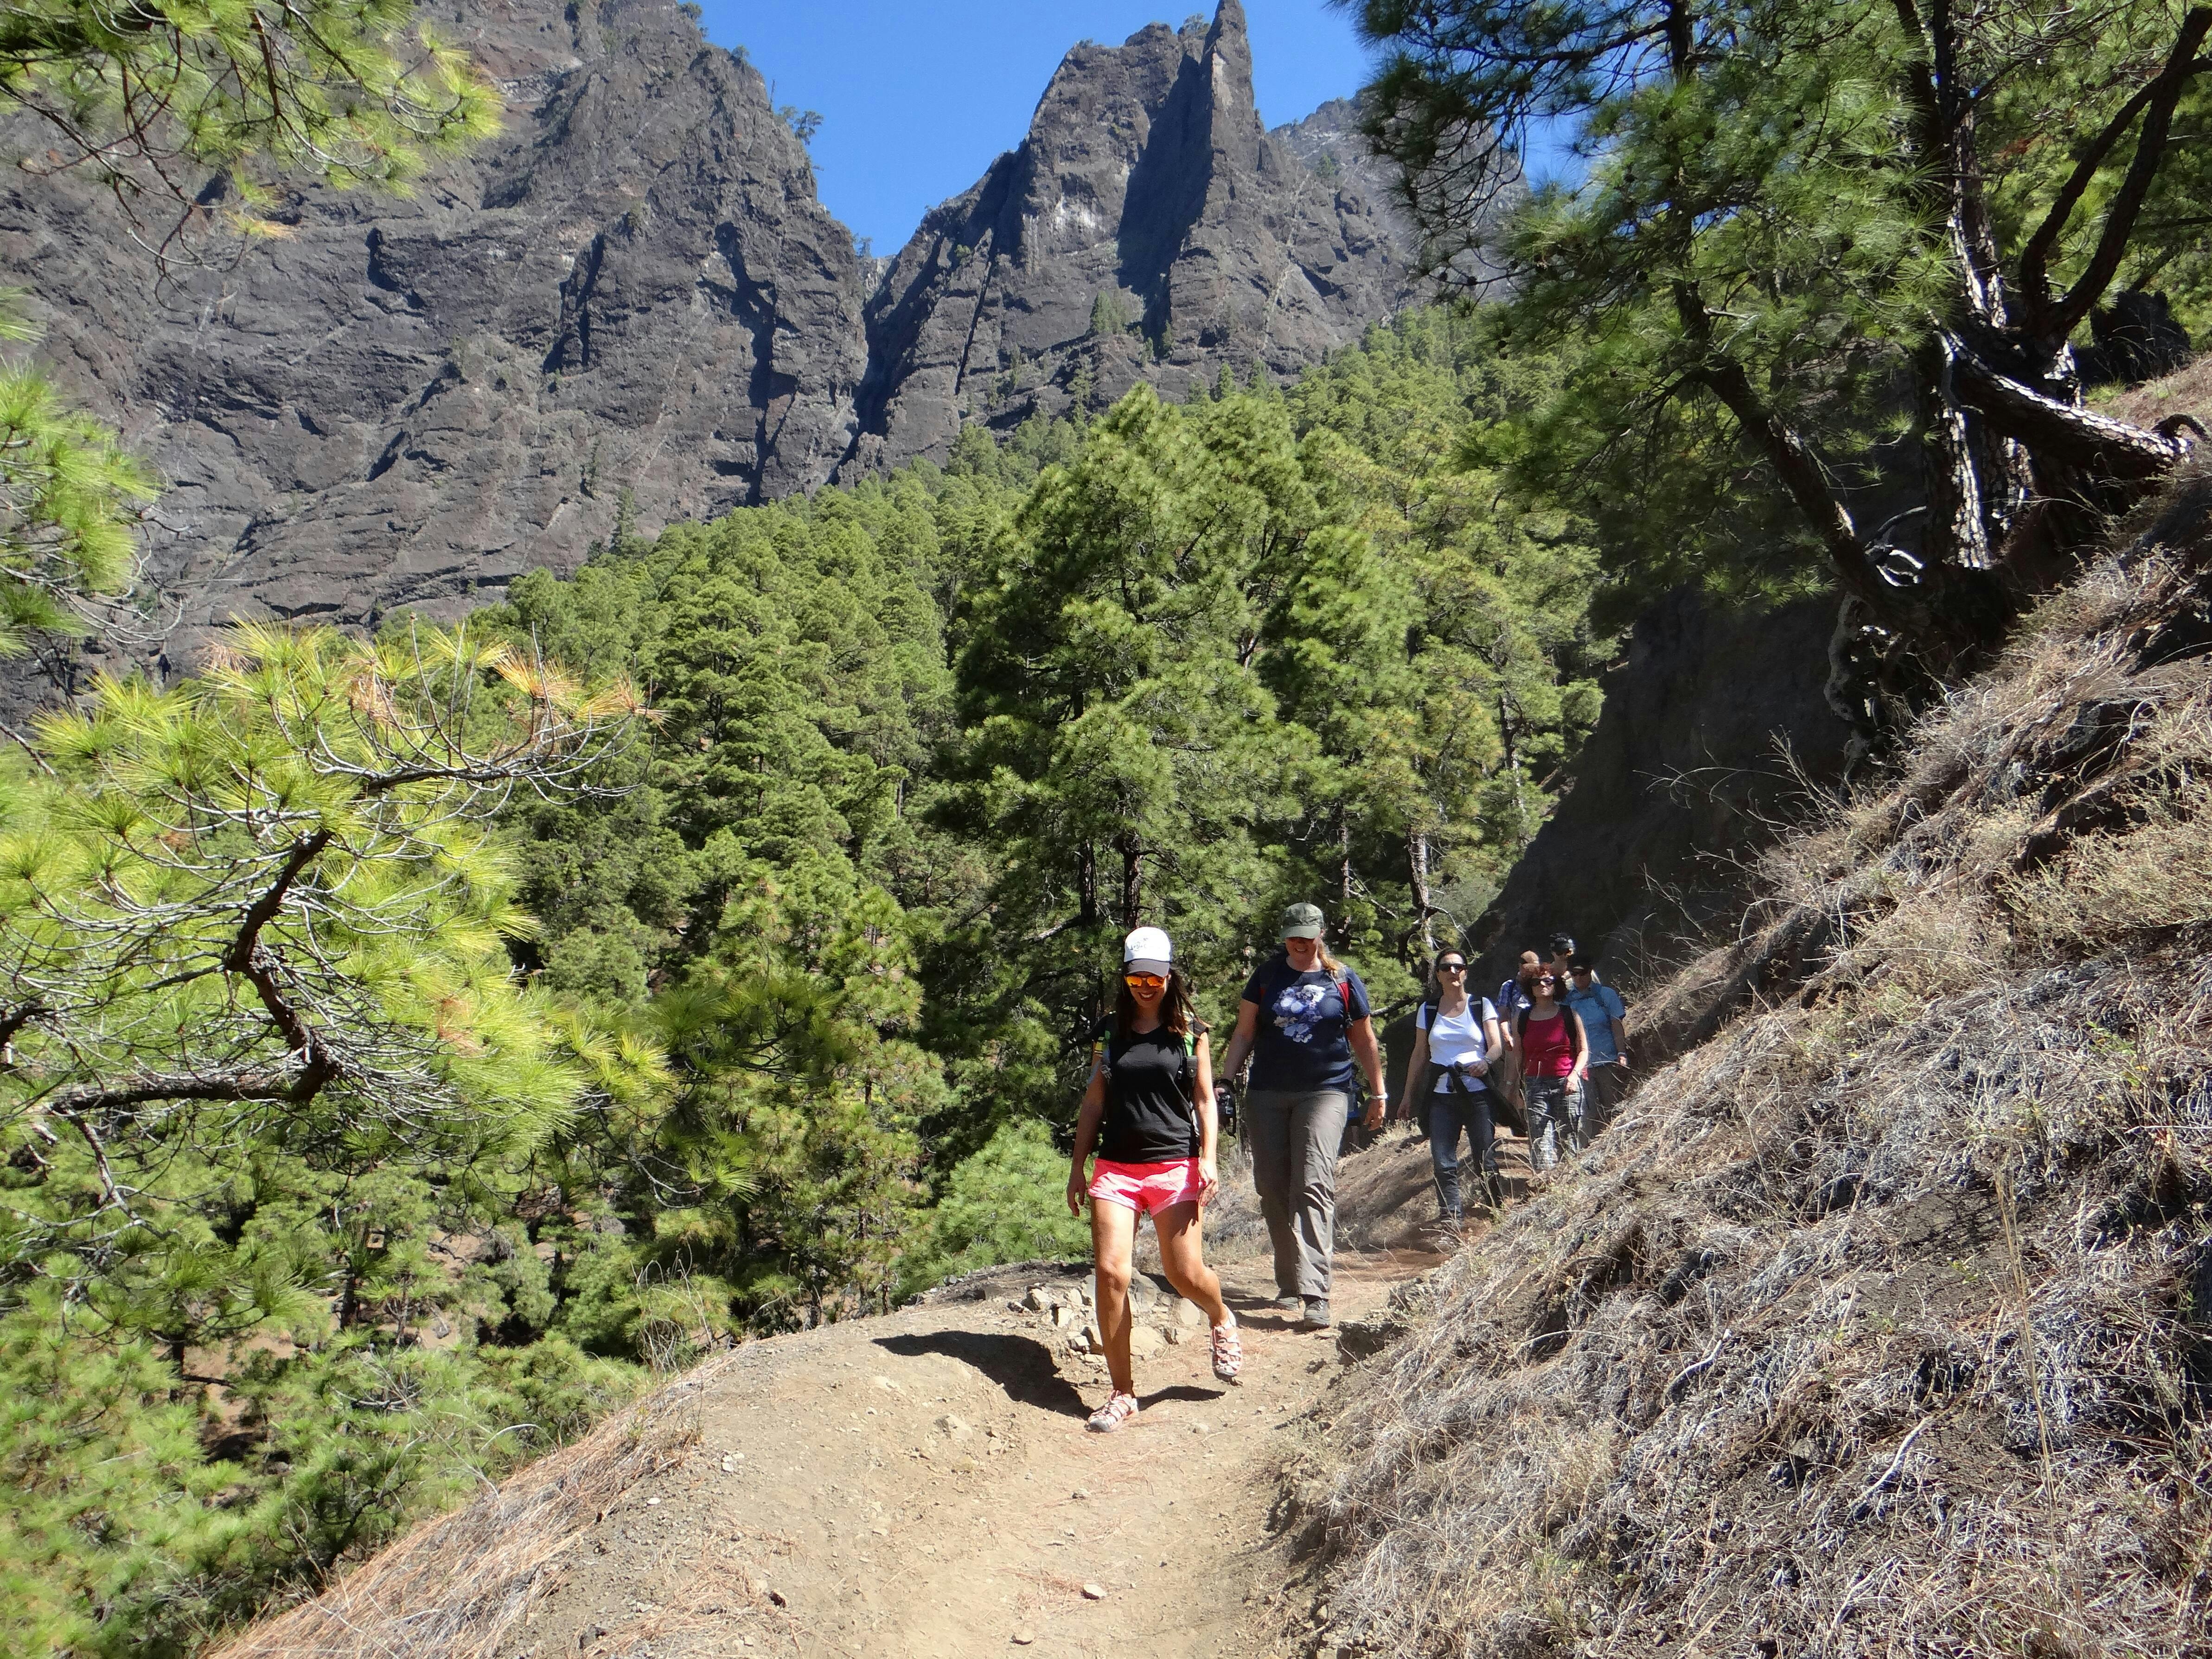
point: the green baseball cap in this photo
(1303, 921)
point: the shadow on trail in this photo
(1021, 1365)
(1260, 1313)
(1182, 1391)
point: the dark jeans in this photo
(1449, 1113)
(1603, 1091)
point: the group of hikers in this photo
(1549, 1052)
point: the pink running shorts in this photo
(1147, 1188)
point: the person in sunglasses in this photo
(1149, 1113)
(1457, 1035)
(1305, 1020)
(1554, 1055)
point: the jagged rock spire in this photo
(1148, 228)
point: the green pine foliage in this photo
(1005, 1203)
(68, 500)
(1829, 261)
(353, 92)
(273, 1111)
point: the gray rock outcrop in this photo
(633, 289)
(1148, 228)
(634, 296)
(1716, 734)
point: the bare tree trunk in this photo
(1086, 885)
(1513, 770)
(1343, 860)
(1417, 875)
(1131, 846)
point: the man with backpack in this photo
(1604, 1018)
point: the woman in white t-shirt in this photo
(1458, 1036)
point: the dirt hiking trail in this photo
(922, 1485)
(915, 1485)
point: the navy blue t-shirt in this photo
(1300, 1043)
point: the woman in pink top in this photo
(1554, 1055)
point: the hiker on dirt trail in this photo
(1149, 1111)
(1304, 1019)
(1512, 998)
(1513, 993)
(1604, 1018)
(1554, 1055)
(1455, 1040)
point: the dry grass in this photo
(454, 1587)
(1880, 1324)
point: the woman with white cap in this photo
(1149, 1114)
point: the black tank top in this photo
(1149, 1115)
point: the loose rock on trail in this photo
(918, 1484)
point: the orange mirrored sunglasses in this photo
(1144, 982)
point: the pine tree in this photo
(164, 93)
(264, 1046)
(1796, 211)
(1120, 749)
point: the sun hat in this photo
(1303, 921)
(1147, 950)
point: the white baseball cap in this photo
(1147, 950)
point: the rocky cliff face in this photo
(1148, 228)
(1716, 734)
(634, 293)
(633, 289)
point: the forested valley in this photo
(417, 1043)
(809, 834)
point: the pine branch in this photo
(2059, 321)
(2099, 445)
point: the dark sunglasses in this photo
(1451, 967)
(1546, 979)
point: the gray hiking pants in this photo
(1555, 1121)
(1294, 1136)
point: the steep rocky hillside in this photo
(633, 287)
(1148, 228)
(635, 293)
(1715, 735)
(1882, 1324)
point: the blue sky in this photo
(917, 96)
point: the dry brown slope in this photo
(1881, 1327)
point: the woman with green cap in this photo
(1304, 1020)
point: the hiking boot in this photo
(1317, 1314)
(1289, 1302)
(1118, 1409)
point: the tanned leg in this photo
(1112, 1248)
(1180, 1234)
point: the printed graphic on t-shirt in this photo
(1297, 1010)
